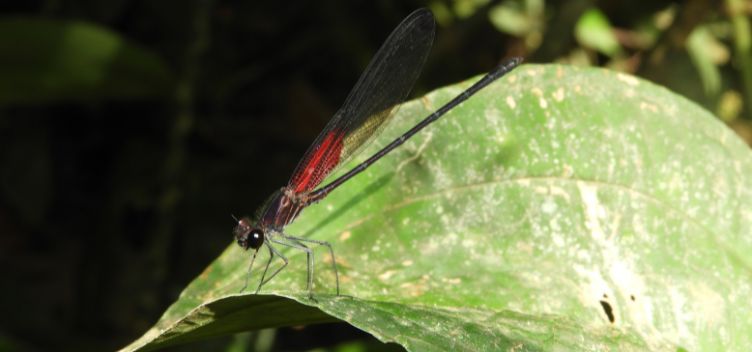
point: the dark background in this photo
(114, 195)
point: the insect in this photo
(384, 84)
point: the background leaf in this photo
(53, 60)
(594, 31)
(561, 208)
(707, 53)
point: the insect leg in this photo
(320, 243)
(266, 268)
(309, 255)
(248, 275)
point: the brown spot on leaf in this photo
(609, 311)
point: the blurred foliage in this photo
(593, 31)
(47, 61)
(130, 130)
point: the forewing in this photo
(385, 83)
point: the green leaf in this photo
(53, 60)
(518, 17)
(707, 53)
(594, 31)
(559, 209)
(507, 18)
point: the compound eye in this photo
(255, 238)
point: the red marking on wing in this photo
(318, 166)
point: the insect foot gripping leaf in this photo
(560, 209)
